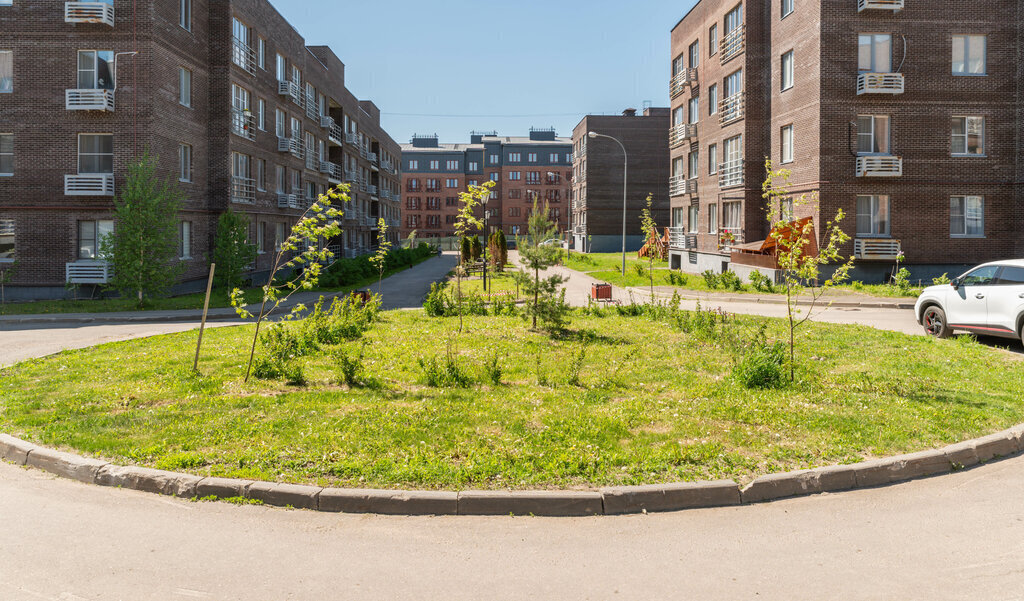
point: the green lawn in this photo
(608, 267)
(653, 403)
(496, 282)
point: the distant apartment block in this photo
(538, 166)
(239, 111)
(904, 114)
(597, 199)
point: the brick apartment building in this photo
(227, 95)
(597, 178)
(905, 114)
(522, 168)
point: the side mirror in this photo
(955, 283)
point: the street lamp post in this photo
(625, 172)
(486, 241)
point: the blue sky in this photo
(489, 65)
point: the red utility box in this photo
(601, 292)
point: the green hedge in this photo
(349, 272)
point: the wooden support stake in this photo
(206, 308)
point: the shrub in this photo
(346, 319)
(711, 279)
(503, 304)
(579, 356)
(492, 370)
(731, 281)
(762, 364)
(438, 303)
(444, 374)
(349, 365)
(942, 280)
(473, 304)
(901, 281)
(676, 278)
(761, 282)
(640, 269)
(466, 250)
(281, 348)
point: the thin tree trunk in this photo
(536, 294)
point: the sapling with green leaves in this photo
(302, 257)
(650, 229)
(466, 223)
(380, 256)
(143, 249)
(544, 302)
(232, 252)
(796, 263)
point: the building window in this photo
(787, 70)
(473, 166)
(261, 114)
(452, 183)
(185, 14)
(184, 87)
(185, 240)
(734, 83)
(95, 69)
(514, 211)
(261, 175)
(678, 65)
(733, 20)
(872, 215)
(515, 157)
(968, 136)
(693, 164)
(515, 176)
(713, 159)
(493, 159)
(732, 216)
(279, 123)
(713, 99)
(282, 68)
(261, 53)
(713, 218)
(787, 144)
(279, 236)
(679, 116)
(95, 153)
(7, 240)
(261, 237)
(6, 154)
(874, 53)
(694, 53)
(90, 238)
(435, 165)
(967, 217)
(531, 157)
(280, 178)
(694, 218)
(694, 109)
(713, 40)
(414, 164)
(6, 71)
(787, 8)
(970, 55)
(553, 158)
(452, 165)
(872, 134)
(184, 163)
(494, 177)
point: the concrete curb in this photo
(556, 503)
(875, 304)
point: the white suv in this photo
(987, 300)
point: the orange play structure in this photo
(656, 246)
(765, 252)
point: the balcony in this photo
(290, 145)
(387, 165)
(680, 80)
(243, 190)
(336, 135)
(352, 139)
(876, 249)
(89, 184)
(680, 185)
(327, 167)
(292, 90)
(893, 5)
(682, 133)
(680, 239)
(287, 201)
(879, 83)
(88, 272)
(371, 189)
(879, 166)
(327, 121)
(337, 174)
(730, 174)
(243, 123)
(243, 55)
(312, 108)
(371, 222)
(732, 43)
(372, 157)
(352, 177)
(89, 100)
(89, 12)
(731, 109)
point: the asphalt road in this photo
(955, 537)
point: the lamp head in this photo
(592, 134)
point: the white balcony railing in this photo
(243, 190)
(372, 157)
(89, 184)
(731, 109)
(337, 174)
(88, 272)
(371, 221)
(291, 145)
(292, 90)
(880, 83)
(680, 80)
(876, 249)
(879, 166)
(730, 173)
(312, 108)
(893, 5)
(326, 121)
(287, 201)
(243, 123)
(336, 135)
(243, 55)
(680, 185)
(732, 43)
(352, 177)
(327, 167)
(89, 100)
(680, 239)
(387, 165)
(371, 189)
(89, 12)
(352, 138)
(681, 133)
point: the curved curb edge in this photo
(605, 501)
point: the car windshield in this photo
(982, 276)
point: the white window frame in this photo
(693, 54)
(693, 219)
(185, 14)
(966, 137)
(5, 153)
(787, 151)
(261, 53)
(787, 8)
(185, 87)
(81, 154)
(184, 240)
(7, 58)
(788, 74)
(261, 114)
(732, 216)
(712, 159)
(875, 205)
(962, 232)
(101, 228)
(693, 164)
(967, 57)
(873, 135)
(874, 42)
(93, 71)
(693, 109)
(713, 218)
(185, 163)
(713, 40)
(713, 99)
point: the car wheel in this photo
(935, 323)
